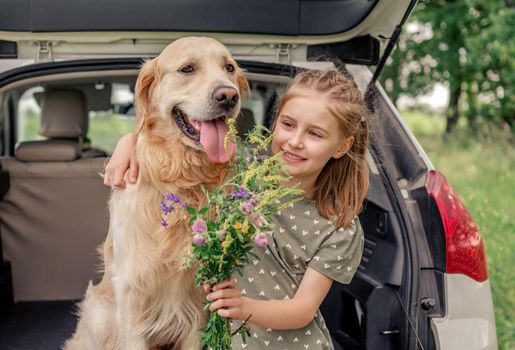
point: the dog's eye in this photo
(187, 69)
(229, 67)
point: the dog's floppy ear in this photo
(147, 79)
(243, 84)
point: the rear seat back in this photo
(54, 215)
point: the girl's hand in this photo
(122, 159)
(226, 300)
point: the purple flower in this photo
(199, 239)
(241, 192)
(261, 239)
(258, 220)
(166, 208)
(173, 198)
(164, 223)
(247, 207)
(199, 226)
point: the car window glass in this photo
(256, 103)
(106, 125)
(29, 115)
(261, 102)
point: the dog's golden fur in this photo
(146, 299)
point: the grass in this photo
(483, 173)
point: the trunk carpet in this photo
(37, 325)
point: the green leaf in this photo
(191, 210)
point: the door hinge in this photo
(44, 51)
(283, 53)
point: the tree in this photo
(493, 63)
(466, 46)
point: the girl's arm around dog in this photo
(122, 160)
(276, 314)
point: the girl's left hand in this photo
(226, 299)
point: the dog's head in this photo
(187, 93)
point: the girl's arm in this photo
(122, 159)
(276, 314)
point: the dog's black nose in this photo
(226, 97)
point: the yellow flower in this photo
(237, 226)
(231, 135)
(245, 229)
(227, 242)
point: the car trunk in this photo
(366, 313)
(374, 310)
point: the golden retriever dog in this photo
(146, 298)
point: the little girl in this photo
(322, 134)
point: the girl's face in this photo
(309, 135)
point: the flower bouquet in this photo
(236, 218)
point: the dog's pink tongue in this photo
(212, 136)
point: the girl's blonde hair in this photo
(343, 183)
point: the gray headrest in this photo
(47, 151)
(64, 114)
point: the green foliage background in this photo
(467, 45)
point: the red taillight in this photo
(464, 246)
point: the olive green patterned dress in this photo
(302, 239)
